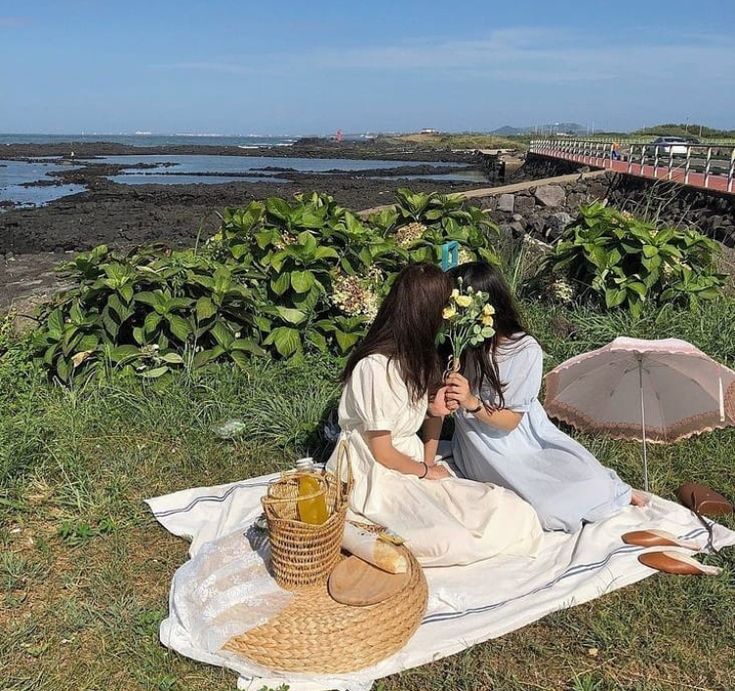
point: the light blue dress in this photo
(563, 481)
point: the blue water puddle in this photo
(13, 175)
(189, 169)
(244, 164)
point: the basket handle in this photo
(343, 460)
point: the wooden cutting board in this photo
(355, 582)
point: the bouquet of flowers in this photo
(468, 321)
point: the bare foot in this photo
(637, 498)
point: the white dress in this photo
(563, 481)
(444, 522)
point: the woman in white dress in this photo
(398, 483)
(502, 433)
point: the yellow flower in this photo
(487, 320)
(488, 309)
(449, 312)
(463, 300)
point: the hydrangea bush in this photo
(279, 278)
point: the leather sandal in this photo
(657, 538)
(677, 563)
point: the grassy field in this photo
(85, 569)
(463, 140)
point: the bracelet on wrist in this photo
(480, 406)
(426, 471)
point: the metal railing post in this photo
(643, 158)
(707, 166)
(655, 160)
(671, 162)
(631, 153)
(687, 165)
(731, 171)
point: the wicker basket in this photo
(302, 554)
(318, 635)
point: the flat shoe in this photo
(656, 538)
(676, 563)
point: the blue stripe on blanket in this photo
(219, 498)
(573, 571)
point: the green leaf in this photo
(123, 353)
(248, 345)
(204, 357)
(155, 373)
(318, 340)
(63, 369)
(172, 359)
(286, 340)
(281, 283)
(279, 208)
(126, 291)
(151, 321)
(222, 334)
(263, 323)
(637, 287)
(55, 323)
(205, 308)
(323, 252)
(240, 359)
(346, 340)
(179, 326)
(302, 281)
(292, 316)
(615, 297)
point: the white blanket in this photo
(467, 604)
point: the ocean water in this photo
(245, 141)
(194, 169)
(14, 173)
(187, 167)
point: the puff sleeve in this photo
(379, 395)
(525, 368)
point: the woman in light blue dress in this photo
(502, 433)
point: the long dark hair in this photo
(481, 361)
(406, 326)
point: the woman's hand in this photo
(438, 403)
(459, 393)
(436, 472)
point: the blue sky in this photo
(297, 67)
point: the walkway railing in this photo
(699, 165)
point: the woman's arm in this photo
(460, 395)
(381, 446)
(431, 431)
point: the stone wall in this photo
(545, 209)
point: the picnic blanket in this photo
(467, 604)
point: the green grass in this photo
(463, 140)
(85, 569)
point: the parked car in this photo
(674, 145)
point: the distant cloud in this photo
(520, 54)
(548, 55)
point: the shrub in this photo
(279, 277)
(627, 262)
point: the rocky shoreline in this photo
(303, 148)
(33, 240)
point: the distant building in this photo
(429, 130)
